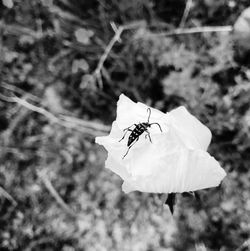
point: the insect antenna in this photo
(156, 124)
(149, 110)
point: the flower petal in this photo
(191, 130)
(127, 187)
(183, 171)
(117, 168)
(111, 143)
(145, 156)
(130, 113)
(175, 161)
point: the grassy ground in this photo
(55, 192)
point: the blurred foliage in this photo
(50, 49)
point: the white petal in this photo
(111, 142)
(182, 171)
(117, 168)
(144, 157)
(115, 133)
(130, 113)
(191, 130)
(127, 188)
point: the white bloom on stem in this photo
(176, 161)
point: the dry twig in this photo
(116, 38)
(87, 124)
(7, 196)
(6, 99)
(245, 246)
(97, 72)
(186, 12)
(180, 31)
(37, 109)
(15, 89)
(86, 127)
(21, 115)
(1, 51)
(55, 194)
(205, 29)
(19, 30)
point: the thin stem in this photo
(116, 38)
(55, 194)
(205, 29)
(8, 196)
(186, 12)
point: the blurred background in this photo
(63, 65)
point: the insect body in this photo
(138, 130)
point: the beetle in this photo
(138, 130)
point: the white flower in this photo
(175, 161)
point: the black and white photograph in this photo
(124, 125)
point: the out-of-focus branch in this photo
(6, 99)
(116, 38)
(86, 127)
(8, 196)
(47, 183)
(185, 13)
(1, 52)
(88, 124)
(37, 109)
(20, 116)
(180, 31)
(97, 72)
(205, 29)
(19, 30)
(244, 246)
(15, 89)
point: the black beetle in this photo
(137, 131)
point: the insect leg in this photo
(127, 130)
(156, 124)
(129, 127)
(148, 135)
(149, 110)
(129, 148)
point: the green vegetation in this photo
(54, 191)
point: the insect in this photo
(137, 131)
